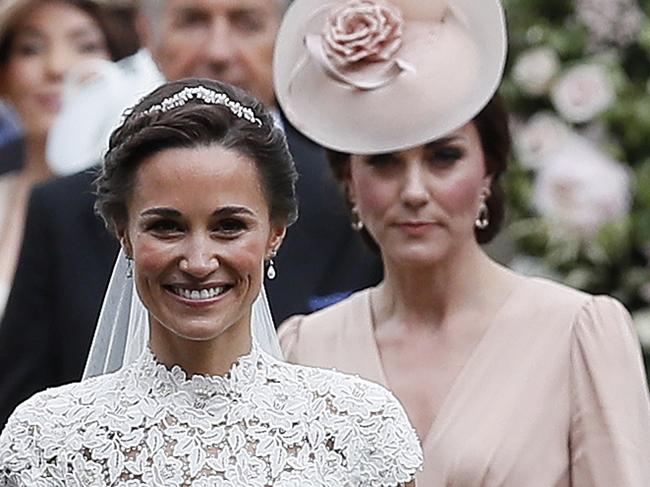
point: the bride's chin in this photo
(197, 330)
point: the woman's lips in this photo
(417, 228)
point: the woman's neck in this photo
(200, 357)
(426, 295)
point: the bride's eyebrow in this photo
(162, 211)
(227, 211)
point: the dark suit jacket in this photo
(62, 272)
(11, 155)
(11, 141)
(68, 255)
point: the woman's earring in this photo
(129, 267)
(270, 269)
(483, 219)
(357, 224)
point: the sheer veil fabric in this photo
(122, 331)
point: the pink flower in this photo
(363, 30)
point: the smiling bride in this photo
(198, 185)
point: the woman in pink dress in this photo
(510, 381)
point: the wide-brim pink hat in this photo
(376, 76)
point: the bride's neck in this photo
(201, 357)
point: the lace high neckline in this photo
(161, 381)
(265, 423)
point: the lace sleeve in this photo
(31, 443)
(388, 451)
(20, 462)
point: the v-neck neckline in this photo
(465, 369)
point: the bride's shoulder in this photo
(58, 406)
(330, 382)
(46, 424)
(359, 412)
(345, 395)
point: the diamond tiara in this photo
(207, 95)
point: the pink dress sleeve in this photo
(289, 334)
(610, 409)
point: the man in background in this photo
(67, 254)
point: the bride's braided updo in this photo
(194, 113)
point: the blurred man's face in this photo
(227, 40)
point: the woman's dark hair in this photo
(116, 20)
(494, 132)
(196, 123)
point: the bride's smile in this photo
(199, 295)
(199, 231)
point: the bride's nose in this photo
(199, 256)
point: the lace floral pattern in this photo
(265, 423)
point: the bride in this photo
(198, 185)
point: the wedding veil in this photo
(122, 331)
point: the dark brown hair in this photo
(494, 132)
(196, 124)
(117, 23)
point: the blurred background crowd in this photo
(578, 191)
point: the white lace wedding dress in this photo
(266, 423)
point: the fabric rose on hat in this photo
(363, 30)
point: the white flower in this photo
(583, 92)
(534, 141)
(615, 21)
(580, 188)
(534, 70)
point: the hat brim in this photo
(457, 71)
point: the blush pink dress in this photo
(554, 394)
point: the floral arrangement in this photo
(578, 86)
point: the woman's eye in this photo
(230, 226)
(28, 48)
(164, 227)
(382, 161)
(446, 155)
(91, 47)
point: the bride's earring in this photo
(270, 269)
(129, 267)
